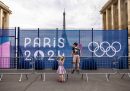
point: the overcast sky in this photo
(80, 14)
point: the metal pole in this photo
(1, 40)
(127, 49)
(92, 41)
(18, 45)
(92, 49)
(15, 59)
(56, 41)
(38, 42)
(79, 42)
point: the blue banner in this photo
(94, 45)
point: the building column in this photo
(120, 14)
(1, 15)
(113, 16)
(7, 20)
(107, 19)
(104, 20)
(128, 4)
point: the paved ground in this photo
(75, 83)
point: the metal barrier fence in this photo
(116, 63)
(41, 66)
(13, 66)
(51, 43)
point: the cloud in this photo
(80, 14)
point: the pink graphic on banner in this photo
(5, 55)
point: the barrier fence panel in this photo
(9, 64)
(111, 45)
(96, 44)
(27, 47)
(39, 49)
(7, 48)
(122, 61)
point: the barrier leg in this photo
(67, 76)
(129, 75)
(122, 76)
(21, 76)
(86, 77)
(44, 77)
(82, 77)
(107, 77)
(41, 77)
(1, 76)
(26, 76)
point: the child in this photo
(61, 70)
(76, 57)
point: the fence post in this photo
(92, 41)
(79, 42)
(56, 42)
(38, 41)
(1, 40)
(15, 48)
(127, 49)
(92, 52)
(18, 45)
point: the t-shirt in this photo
(76, 51)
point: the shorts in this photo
(76, 59)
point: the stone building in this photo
(116, 16)
(4, 16)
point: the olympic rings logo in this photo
(105, 50)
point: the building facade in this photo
(116, 16)
(4, 16)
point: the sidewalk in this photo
(74, 83)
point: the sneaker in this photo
(72, 71)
